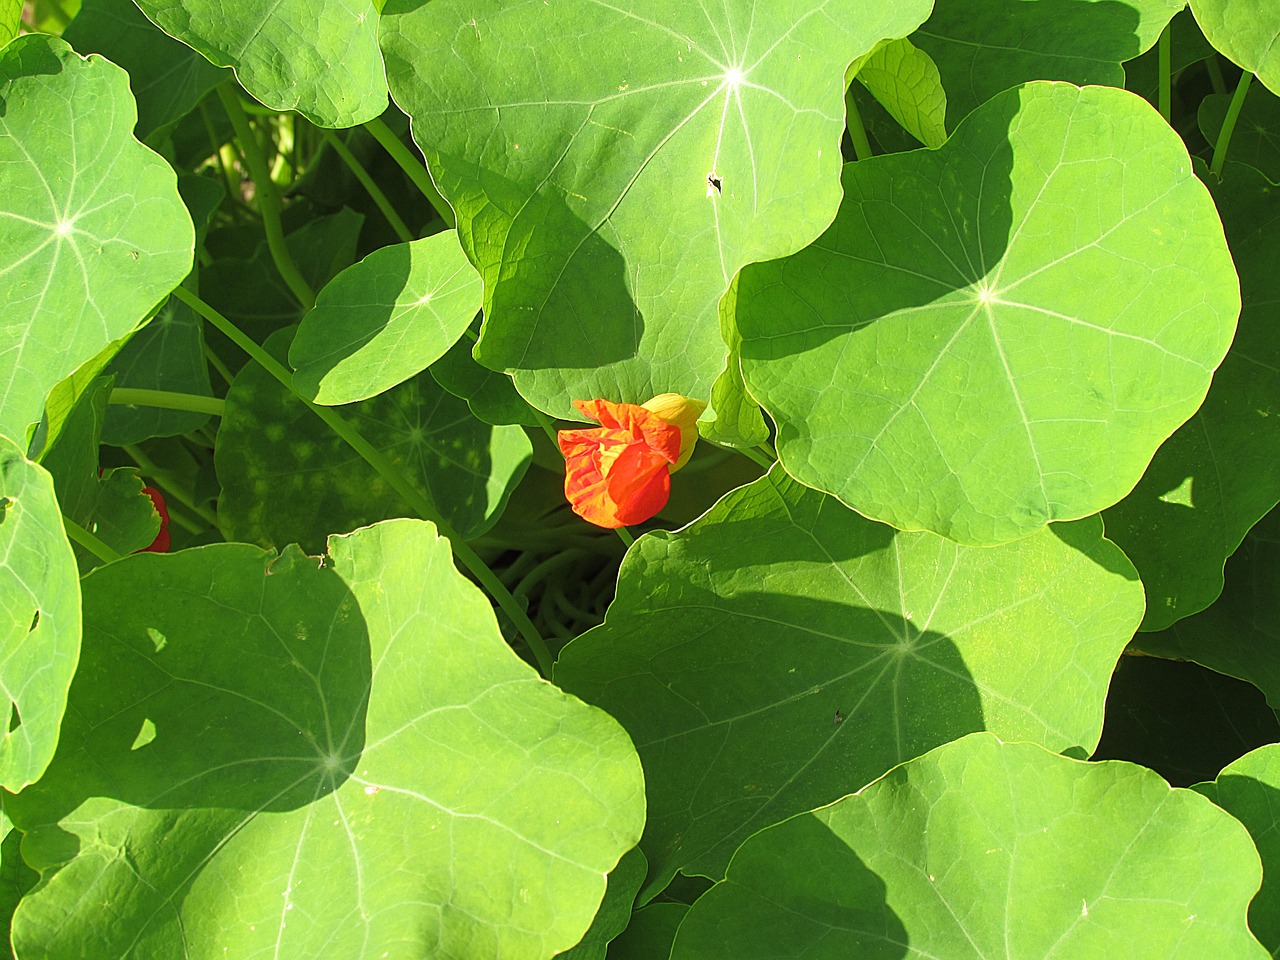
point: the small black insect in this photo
(839, 719)
(134, 254)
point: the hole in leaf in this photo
(35, 622)
(713, 183)
(15, 720)
(146, 733)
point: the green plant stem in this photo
(216, 362)
(857, 132)
(268, 197)
(389, 472)
(1229, 124)
(412, 168)
(1165, 95)
(168, 484)
(1216, 79)
(182, 520)
(552, 563)
(625, 536)
(366, 181)
(166, 400)
(80, 535)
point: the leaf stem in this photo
(268, 198)
(1165, 95)
(412, 168)
(625, 536)
(166, 400)
(80, 535)
(1229, 124)
(389, 472)
(1216, 79)
(857, 132)
(366, 181)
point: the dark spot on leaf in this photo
(15, 721)
(35, 621)
(4, 507)
(713, 181)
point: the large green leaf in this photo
(287, 477)
(319, 57)
(982, 47)
(982, 849)
(1249, 790)
(385, 319)
(1220, 473)
(93, 234)
(39, 617)
(1246, 32)
(168, 79)
(1256, 138)
(783, 651)
(1239, 634)
(998, 333)
(612, 166)
(273, 757)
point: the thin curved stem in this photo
(167, 400)
(1229, 124)
(857, 132)
(389, 472)
(412, 167)
(366, 181)
(268, 197)
(80, 535)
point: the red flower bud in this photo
(161, 543)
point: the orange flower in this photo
(619, 473)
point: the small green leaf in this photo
(733, 418)
(490, 395)
(618, 163)
(1249, 790)
(982, 47)
(319, 57)
(385, 319)
(906, 82)
(168, 78)
(989, 849)
(1220, 472)
(615, 910)
(971, 348)
(788, 651)
(287, 758)
(40, 615)
(286, 477)
(93, 235)
(1246, 32)
(1256, 138)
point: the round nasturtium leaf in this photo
(617, 163)
(270, 756)
(385, 319)
(93, 234)
(982, 47)
(1249, 790)
(985, 849)
(1220, 472)
(287, 477)
(39, 617)
(1246, 32)
(999, 333)
(318, 57)
(790, 651)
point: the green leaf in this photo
(982, 47)
(906, 82)
(608, 196)
(1187, 45)
(1246, 32)
(94, 234)
(318, 57)
(490, 395)
(1238, 635)
(166, 354)
(16, 878)
(1249, 790)
(782, 650)
(293, 759)
(733, 417)
(1220, 473)
(286, 477)
(615, 910)
(1256, 138)
(385, 319)
(983, 849)
(10, 19)
(974, 349)
(168, 79)
(40, 613)
(650, 934)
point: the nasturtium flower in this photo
(619, 473)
